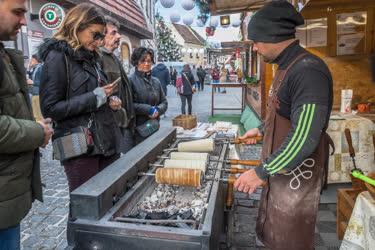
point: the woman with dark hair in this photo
(187, 89)
(74, 93)
(148, 96)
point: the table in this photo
(340, 164)
(360, 233)
(227, 85)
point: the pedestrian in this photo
(216, 76)
(223, 77)
(148, 96)
(74, 92)
(20, 136)
(161, 72)
(295, 136)
(125, 115)
(173, 75)
(196, 78)
(201, 75)
(186, 90)
(34, 72)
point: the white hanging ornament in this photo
(187, 20)
(167, 3)
(183, 50)
(189, 51)
(195, 51)
(175, 17)
(188, 4)
(214, 22)
(201, 51)
(236, 23)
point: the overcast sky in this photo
(221, 34)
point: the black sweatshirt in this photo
(305, 98)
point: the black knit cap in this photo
(274, 22)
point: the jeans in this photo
(10, 238)
(183, 103)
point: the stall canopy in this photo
(220, 7)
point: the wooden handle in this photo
(237, 170)
(350, 143)
(240, 141)
(230, 195)
(245, 162)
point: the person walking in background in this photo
(173, 75)
(216, 76)
(112, 67)
(20, 135)
(161, 72)
(34, 72)
(148, 96)
(186, 90)
(196, 78)
(74, 92)
(223, 77)
(201, 75)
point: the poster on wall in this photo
(316, 32)
(351, 32)
(35, 38)
(313, 33)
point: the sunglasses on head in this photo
(98, 36)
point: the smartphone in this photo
(116, 82)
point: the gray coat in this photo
(147, 92)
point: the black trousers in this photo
(201, 80)
(185, 98)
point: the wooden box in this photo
(345, 204)
(185, 121)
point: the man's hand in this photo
(248, 182)
(48, 131)
(249, 134)
(115, 103)
(30, 82)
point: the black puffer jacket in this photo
(147, 92)
(73, 106)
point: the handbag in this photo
(148, 128)
(72, 142)
(193, 89)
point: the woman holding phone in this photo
(148, 96)
(74, 92)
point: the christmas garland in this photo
(203, 9)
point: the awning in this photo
(219, 7)
(127, 12)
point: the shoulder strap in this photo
(187, 79)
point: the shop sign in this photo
(51, 16)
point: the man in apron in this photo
(295, 145)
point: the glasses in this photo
(97, 36)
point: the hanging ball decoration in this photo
(236, 23)
(183, 50)
(201, 51)
(214, 22)
(188, 20)
(189, 51)
(195, 51)
(175, 17)
(167, 3)
(188, 4)
(199, 23)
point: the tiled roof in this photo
(188, 34)
(130, 13)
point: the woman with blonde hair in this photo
(223, 76)
(74, 93)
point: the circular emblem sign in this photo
(51, 16)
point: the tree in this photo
(168, 48)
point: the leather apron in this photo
(289, 201)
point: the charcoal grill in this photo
(117, 190)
